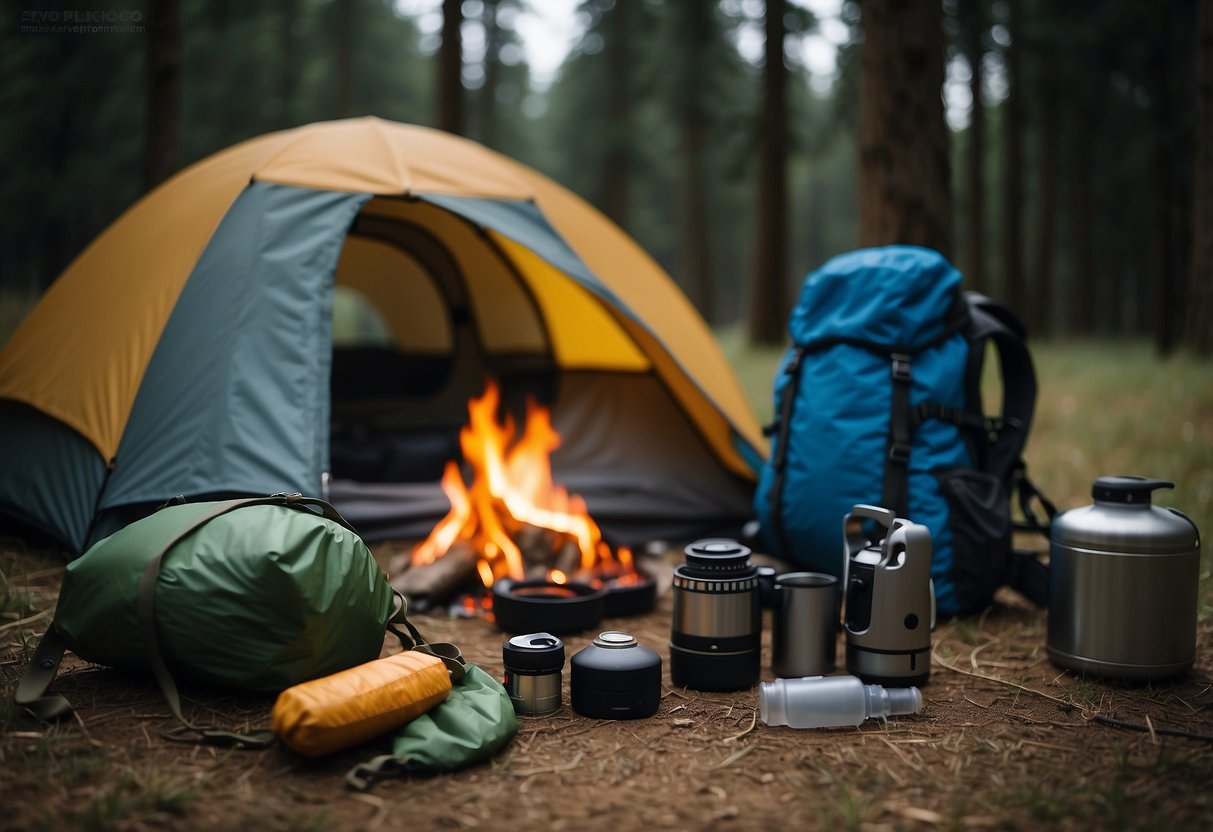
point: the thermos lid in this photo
(535, 653)
(1127, 490)
(1123, 521)
(615, 662)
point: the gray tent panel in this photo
(235, 398)
(49, 474)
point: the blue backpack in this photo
(878, 401)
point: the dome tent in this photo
(191, 348)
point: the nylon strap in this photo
(364, 775)
(895, 491)
(779, 461)
(31, 690)
(412, 639)
(995, 323)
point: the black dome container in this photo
(616, 678)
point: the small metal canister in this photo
(1124, 576)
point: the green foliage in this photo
(72, 128)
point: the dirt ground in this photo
(1005, 741)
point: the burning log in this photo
(429, 583)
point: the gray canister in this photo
(1123, 584)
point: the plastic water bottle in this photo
(826, 702)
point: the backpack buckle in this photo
(900, 369)
(899, 453)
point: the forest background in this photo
(1058, 153)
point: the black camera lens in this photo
(533, 672)
(716, 637)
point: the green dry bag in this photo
(474, 723)
(256, 594)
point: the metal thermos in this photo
(1123, 584)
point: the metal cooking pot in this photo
(1124, 576)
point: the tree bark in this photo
(1199, 324)
(492, 74)
(616, 173)
(1040, 284)
(450, 68)
(344, 103)
(288, 62)
(905, 177)
(695, 259)
(1014, 291)
(1083, 295)
(974, 29)
(163, 122)
(768, 295)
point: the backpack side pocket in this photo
(979, 515)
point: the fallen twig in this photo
(735, 737)
(13, 624)
(734, 757)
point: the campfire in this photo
(512, 521)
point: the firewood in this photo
(568, 557)
(439, 580)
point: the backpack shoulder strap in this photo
(992, 322)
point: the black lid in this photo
(533, 653)
(616, 662)
(717, 558)
(1129, 490)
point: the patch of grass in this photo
(150, 796)
(850, 808)
(1043, 800)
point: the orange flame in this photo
(511, 488)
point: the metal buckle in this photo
(899, 452)
(900, 369)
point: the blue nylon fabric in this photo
(837, 438)
(895, 295)
(233, 398)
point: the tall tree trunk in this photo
(492, 74)
(1084, 294)
(163, 124)
(616, 174)
(1199, 325)
(1167, 279)
(974, 30)
(450, 68)
(695, 260)
(345, 58)
(768, 295)
(1169, 74)
(1040, 283)
(904, 170)
(288, 62)
(1014, 290)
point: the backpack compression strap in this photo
(31, 691)
(779, 459)
(993, 322)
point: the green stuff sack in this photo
(474, 723)
(254, 595)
